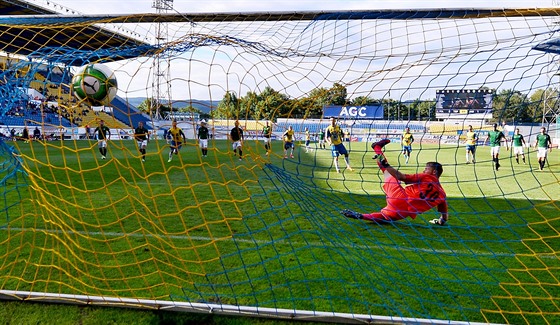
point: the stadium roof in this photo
(550, 46)
(34, 31)
(60, 41)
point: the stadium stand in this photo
(373, 126)
(53, 103)
(128, 114)
(59, 78)
(91, 38)
(247, 125)
(454, 129)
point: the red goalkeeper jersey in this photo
(424, 192)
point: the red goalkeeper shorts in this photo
(397, 201)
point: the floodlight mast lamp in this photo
(161, 77)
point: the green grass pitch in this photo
(266, 231)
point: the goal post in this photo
(107, 204)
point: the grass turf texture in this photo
(267, 232)
(35, 313)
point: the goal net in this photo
(259, 232)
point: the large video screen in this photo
(464, 103)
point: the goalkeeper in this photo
(422, 193)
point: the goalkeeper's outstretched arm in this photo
(442, 209)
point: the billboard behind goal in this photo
(464, 104)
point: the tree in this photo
(228, 107)
(266, 105)
(542, 101)
(363, 101)
(426, 109)
(320, 97)
(250, 105)
(150, 107)
(190, 109)
(509, 105)
(146, 105)
(307, 107)
(274, 103)
(413, 108)
(390, 109)
(338, 94)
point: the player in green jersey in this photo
(142, 137)
(322, 139)
(202, 135)
(518, 144)
(495, 138)
(544, 146)
(267, 134)
(103, 135)
(237, 138)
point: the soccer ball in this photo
(96, 84)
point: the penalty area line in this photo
(280, 241)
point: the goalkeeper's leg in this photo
(374, 216)
(379, 156)
(378, 146)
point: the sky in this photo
(236, 72)
(185, 6)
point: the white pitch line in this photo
(250, 241)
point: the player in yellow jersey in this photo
(177, 139)
(406, 141)
(471, 142)
(334, 138)
(288, 137)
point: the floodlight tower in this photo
(161, 85)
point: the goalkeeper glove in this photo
(439, 221)
(352, 214)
